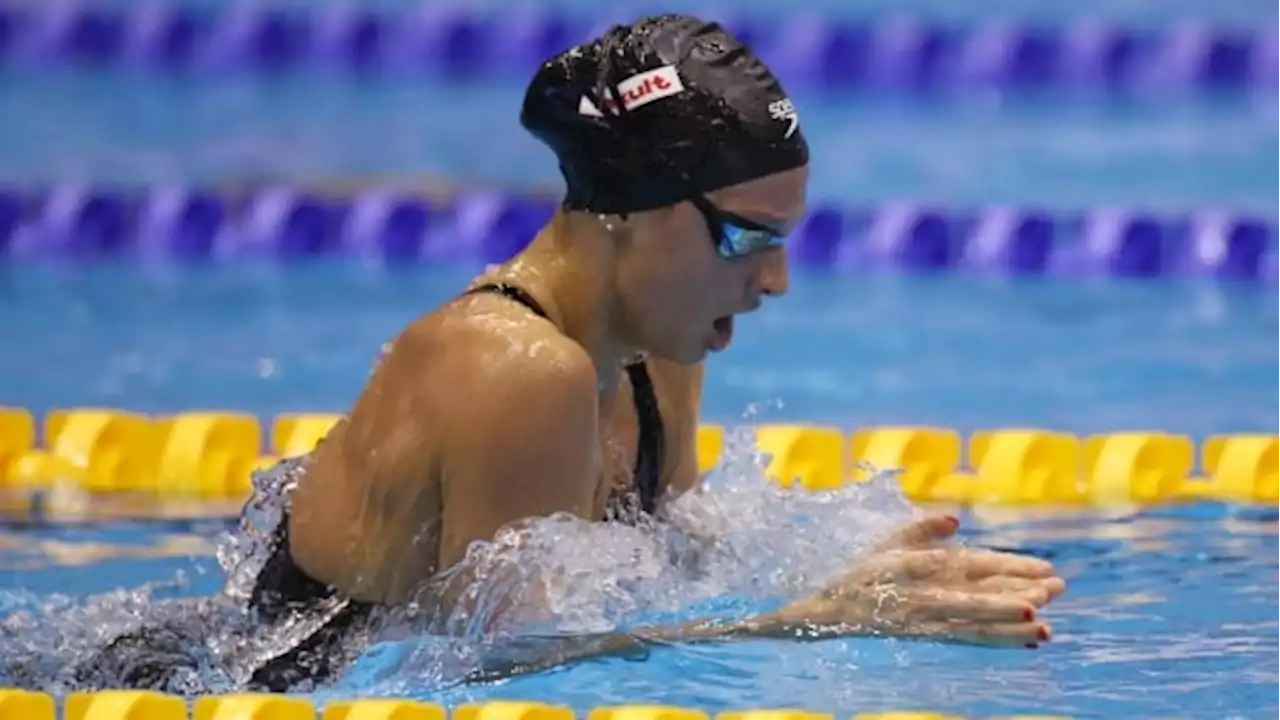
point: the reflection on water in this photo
(23, 552)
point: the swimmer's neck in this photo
(569, 267)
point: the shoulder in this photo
(516, 415)
(487, 358)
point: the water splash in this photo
(735, 546)
(242, 552)
(52, 642)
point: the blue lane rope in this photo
(880, 54)
(71, 222)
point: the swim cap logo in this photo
(785, 111)
(637, 90)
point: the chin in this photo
(689, 355)
(694, 358)
(696, 355)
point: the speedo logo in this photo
(637, 90)
(785, 111)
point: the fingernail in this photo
(1043, 634)
(1029, 614)
(955, 521)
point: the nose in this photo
(772, 276)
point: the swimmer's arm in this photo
(520, 445)
(505, 466)
(536, 654)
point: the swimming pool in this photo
(1170, 611)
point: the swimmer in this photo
(685, 167)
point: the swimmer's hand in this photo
(913, 586)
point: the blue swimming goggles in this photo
(734, 235)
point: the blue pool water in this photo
(1169, 613)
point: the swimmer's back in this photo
(369, 516)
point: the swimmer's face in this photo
(682, 291)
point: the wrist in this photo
(810, 618)
(801, 619)
(817, 617)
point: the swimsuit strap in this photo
(649, 450)
(512, 292)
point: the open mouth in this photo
(723, 327)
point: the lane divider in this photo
(282, 223)
(893, 52)
(149, 705)
(213, 453)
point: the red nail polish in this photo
(1043, 634)
(1028, 614)
(955, 521)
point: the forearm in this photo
(538, 653)
(791, 622)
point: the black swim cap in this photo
(698, 111)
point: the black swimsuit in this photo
(284, 594)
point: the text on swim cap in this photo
(637, 90)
